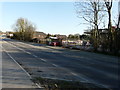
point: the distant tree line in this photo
(50, 35)
(72, 36)
(78, 37)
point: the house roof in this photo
(40, 33)
(61, 36)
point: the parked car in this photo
(55, 44)
(54, 41)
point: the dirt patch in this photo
(54, 84)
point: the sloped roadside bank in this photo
(55, 84)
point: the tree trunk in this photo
(110, 38)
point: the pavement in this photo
(13, 75)
(59, 63)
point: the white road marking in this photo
(21, 67)
(55, 65)
(85, 79)
(18, 64)
(21, 49)
(28, 52)
(38, 85)
(43, 60)
(16, 47)
(80, 76)
(35, 56)
(74, 74)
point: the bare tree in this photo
(24, 29)
(116, 43)
(108, 4)
(29, 32)
(91, 13)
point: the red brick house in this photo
(39, 37)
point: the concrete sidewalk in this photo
(13, 76)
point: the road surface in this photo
(60, 63)
(13, 75)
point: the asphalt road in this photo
(59, 63)
(13, 75)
